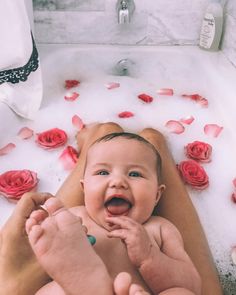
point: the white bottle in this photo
(212, 24)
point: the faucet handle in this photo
(124, 4)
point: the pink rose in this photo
(199, 151)
(69, 157)
(14, 183)
(193, 174)
(52, 138)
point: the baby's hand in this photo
(134, 236)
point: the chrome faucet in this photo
(125, 9)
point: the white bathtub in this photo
(187, 70)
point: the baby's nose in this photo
(118, 181)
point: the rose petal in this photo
(203, 102)
(7, 149)
(233, 197)
(234, 182)
(165, 91)
(233, 255)
(212, 129)
(125, 114)
(77, 122)
(112, 85)
(145, 97)
(69, 158)
(187, 120)
(175, 126)
(25, 133)
(71, 83)
(71, 96)
(198, 98)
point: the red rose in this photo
(199, 151)
(52, 138)
(193, 174)
(14, 183)
(69, 157)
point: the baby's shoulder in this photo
(161, 226)
(157, 223)
(158, 220)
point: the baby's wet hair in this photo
(137, 137)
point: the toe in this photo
(122, 283)
(53, 205)
(35, 233)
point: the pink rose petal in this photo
(233, 255)
(233, 197)
(175, 127)
(112, 85)
(125, 114)
(187, 120)
(203, 102)
(69, 158)
(77, 122)
(71, 83)
(25, 133)
(71, 96)
(145, 97)
(212, 130)
(234, 182)
(198, 98)
(165, 91)
(7, 149)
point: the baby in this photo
(122, 187)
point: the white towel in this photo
(20, 75)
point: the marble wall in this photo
(95, 21)
(154, 22)
(229, 36)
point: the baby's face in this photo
(120, 179)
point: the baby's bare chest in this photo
(114, 254)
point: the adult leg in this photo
(176, 206)
(70, 192)
(20, 272)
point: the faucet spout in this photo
(125, 9)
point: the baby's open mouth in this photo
(118, 206)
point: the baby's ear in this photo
(82, 183)
(161, 189)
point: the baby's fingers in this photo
(122, 221)
(118, 233)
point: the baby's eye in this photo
(135, 174)
(102, 172)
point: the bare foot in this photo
(18, 263)
(60, 243)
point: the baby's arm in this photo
(163, 267)
(176, 268)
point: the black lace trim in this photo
(21, 74)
